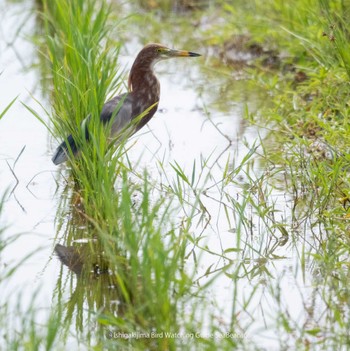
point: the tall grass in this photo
(139, 263)
(135, 250)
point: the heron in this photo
(133, 109)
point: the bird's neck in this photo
(143, 83)
(145, 89)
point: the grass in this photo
(150, 260)
(130, 228)
(307, 156)
(310, 120)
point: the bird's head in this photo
(147, 58)
(153, 53)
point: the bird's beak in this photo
(181, 53)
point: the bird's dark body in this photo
(123, 111)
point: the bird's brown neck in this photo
(142, 80)
(145, 88)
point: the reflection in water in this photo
(129, 266)
(81, 258)
(126, 273)
(95, 288)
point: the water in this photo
(181, 131)
(29, 209)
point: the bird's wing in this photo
(119, 112)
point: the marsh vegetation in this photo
(223, 225)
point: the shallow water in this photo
(182, 132)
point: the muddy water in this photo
(180, 131)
